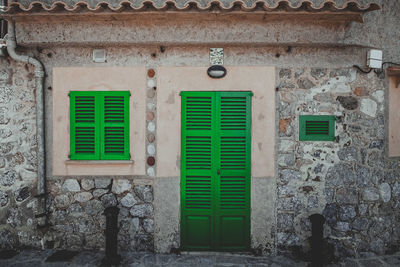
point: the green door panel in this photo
(231, 225)
(197, 184)
(199, 232)
(215, 170)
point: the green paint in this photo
(317, 128)
(99, 124)
(215, 171)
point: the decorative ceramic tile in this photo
(216, 56)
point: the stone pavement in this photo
(93, 258)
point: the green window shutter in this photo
(84, 123)
(115, 126)
(197, 184)
(317, 128)
(99, 125)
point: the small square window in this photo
(99, 125)
(317, 128)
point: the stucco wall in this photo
(394, 117)
(98, 79)
(259, 80)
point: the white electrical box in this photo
(99, 55)
(374, 59)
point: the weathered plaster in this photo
(166, 214)
(194, 29)
(394, 118)
(173, 80)
(98, 79)
(263, 222)
(18, 162)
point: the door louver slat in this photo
(198, 113)
(198, 192)
(233, 113)
(198, 152)
(233, 192)
(233, 153)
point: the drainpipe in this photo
(39, 77)
(3, 29)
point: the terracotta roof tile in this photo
(75, 6)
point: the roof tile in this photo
(27, 6)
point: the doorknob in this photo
(218, 172)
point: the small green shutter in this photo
(215, 170)
(99, 125)
(115, 126)
(317, 128)
(84, 123)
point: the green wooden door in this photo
(215, 171)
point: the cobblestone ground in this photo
(94, 258)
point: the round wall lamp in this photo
(216, 71)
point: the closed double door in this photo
(215, 171)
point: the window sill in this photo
(99, 162)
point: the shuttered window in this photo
(99, 124)
(317, 128)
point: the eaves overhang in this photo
(327, 10)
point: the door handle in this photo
(218, 172)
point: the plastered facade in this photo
(261, 82)
(172, 81)
(98, 79)
(394, 117)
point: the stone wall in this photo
(351, 181)
(77, 213)
(18, 163)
